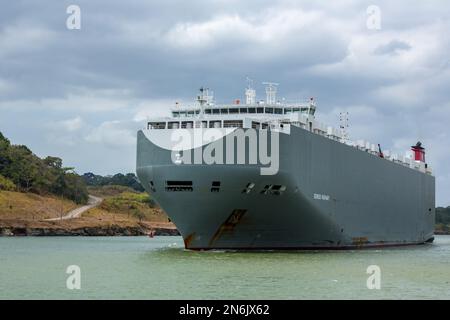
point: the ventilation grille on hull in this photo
(215, 186)
(179, 186)
(274, 189)
(248, 188)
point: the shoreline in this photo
(98, 231)
(87, 231)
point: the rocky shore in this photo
(112, 230)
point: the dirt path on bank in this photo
(76, 213)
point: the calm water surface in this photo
(159, 268)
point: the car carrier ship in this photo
(268, 175)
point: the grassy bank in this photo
(32, 207)
(123, 211)
(125, 204)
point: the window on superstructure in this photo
(269, 110)
(175, 114)
(201, 124)
(260, 110)
(251, 110)
(156, 125)
(295, 110)
(197, 111)
(215, 124)
(304, 110)
(234, 110)
(187, 124)
(242, 110)
(207, 111)
(173, 125)
(216, 111)
(278, 111)
(287, 110)
(182, 113)
(264, 125)
(190, 113)
(224, 111)
(232, 124)
(255, 125)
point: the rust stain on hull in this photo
(360, 241)
(229, 224)
(188, 240)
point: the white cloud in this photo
(408, 94)
(270, 27)
(155, 108)
(73, 124)
(113, 134)
(81, 99)
(425, 55)
(23, 37)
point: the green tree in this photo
(23, 167)
(6, 184)
(443, 215)
(4, 155)
(33, 174)
(127, 180)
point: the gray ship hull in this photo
(336, 197)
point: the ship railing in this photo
(402, 160)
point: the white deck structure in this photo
(268, 114)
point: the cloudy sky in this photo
(82, 94)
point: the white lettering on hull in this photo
(321, 197)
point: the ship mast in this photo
(343, 119)
(271, 92)
(250, 93)
(204, 98)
